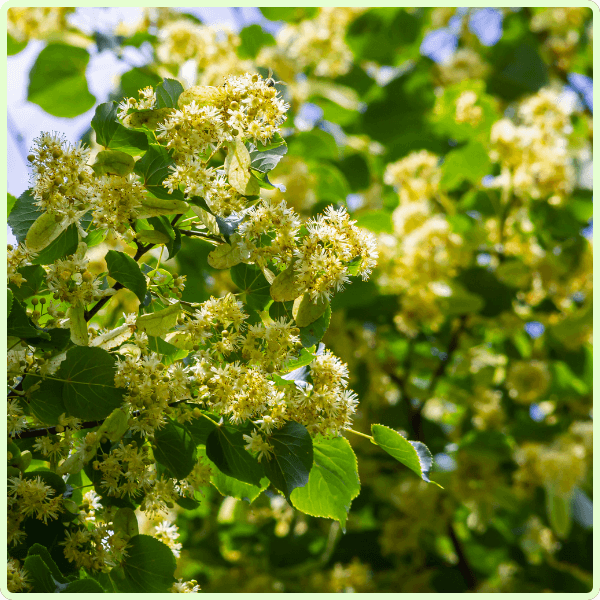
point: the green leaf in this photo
(265, 183)
(146, 120)
(113, 162)
(23, 215)
(168, 352)
(78, 325)
(46, 403)
(57, 81)
(331, 183)
(312, 334)
(20, 326)
(279, 310)
(13, 46)
(149, 566)
(42, 552)
(305, 358)
(10, 202)
(289, 14)
(154, 168)
(175, 448)
(253, 38)
(167, 93)
(470, 163)
(518, 69)
(64, 245)
(137, 79)
(237, 165)
(559, 511)
(160, 322)
(267, 160)
(497, 296)
(111, 134)
(89, 392)
(125, 522)
(333, 481)
(43, 231)
(292, 459)
(381, 33)
(228, 486)
(83, 586)
(9, 302)
(200, 428)
(225, 256)
(40, 575)
(49, 478)
(250, 279)
(35, 277)
(225, 447)
(306, 312)
(127, 272)
(377, 221)
(414, 455)
(152, 237)
(162, 224)
(314, 144)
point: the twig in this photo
(18, 137)
(463, 565)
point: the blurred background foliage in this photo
(462, 138)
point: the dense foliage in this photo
(196, 294)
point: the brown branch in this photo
(463, 564)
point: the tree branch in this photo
(463, 565)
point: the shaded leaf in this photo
(306, 312)
(42, 552)
(40, 575)
(312, 334)
(126, 271)
(225, 447)
(111, 134)
(175, 448)
(289, 466)
(149, 566)
(154, 168)
(89, 391)
(24, 213)
(20, 326)
(167, 93)
(83, 586)
(64, 245)
(46, 402)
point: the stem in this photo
(452, 346)
(369, 437)
(96, 308)
(463, 565)
(207, 236)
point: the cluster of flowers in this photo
(534, 154)
(321, 258)
(64, 185)
(423, 253)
